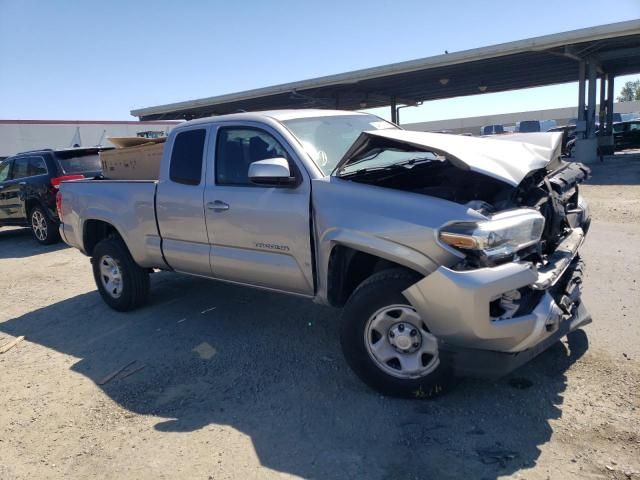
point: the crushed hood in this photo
(506, 157)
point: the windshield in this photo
(326, 139)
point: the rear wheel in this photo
(44, 229)
(122, 284)
(387, 343)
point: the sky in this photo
(97, 60)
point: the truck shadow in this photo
(19, 243)
(270, 366)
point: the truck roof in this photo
(280, 115)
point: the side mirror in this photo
(273, 172)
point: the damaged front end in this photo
(516, 287)
(546, 226)
(523, 294)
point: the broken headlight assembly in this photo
(498, 238)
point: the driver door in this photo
(259, 235)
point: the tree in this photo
(630, 91)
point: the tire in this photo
(379, 299)
(122, 284)
(44, 229)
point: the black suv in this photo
(626, 135)
(29, 182)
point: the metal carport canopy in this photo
(546, 60)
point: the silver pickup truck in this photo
(451, 255)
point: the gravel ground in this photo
(228, 382)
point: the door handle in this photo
(22, 183)
(218, 206)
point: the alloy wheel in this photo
(39, 225)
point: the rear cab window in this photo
(187, 156)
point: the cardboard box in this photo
(140, 162)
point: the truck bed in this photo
(129, 205)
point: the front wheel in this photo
(387, 343)
(44, 229)
(122, 284)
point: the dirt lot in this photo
(245, 384)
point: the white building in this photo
(22, 135)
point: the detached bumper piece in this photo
(559, 260)
(567, 292)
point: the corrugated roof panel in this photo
(539, 61)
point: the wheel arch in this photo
(348, 267)
(30, 203)
(95, 230)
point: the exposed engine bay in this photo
(553, 191)
(528, 195)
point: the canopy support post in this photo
(394, 111)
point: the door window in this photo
(37, 166)
(21, 167)
(5, 167)
(186, 157)
(237, 148)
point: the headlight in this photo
(499, 237)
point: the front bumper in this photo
(468, 362)
(456, 305)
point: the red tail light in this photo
(59, 204)
(55, 181)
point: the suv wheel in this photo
(387, 344)
(122, 284)
(44, 230)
